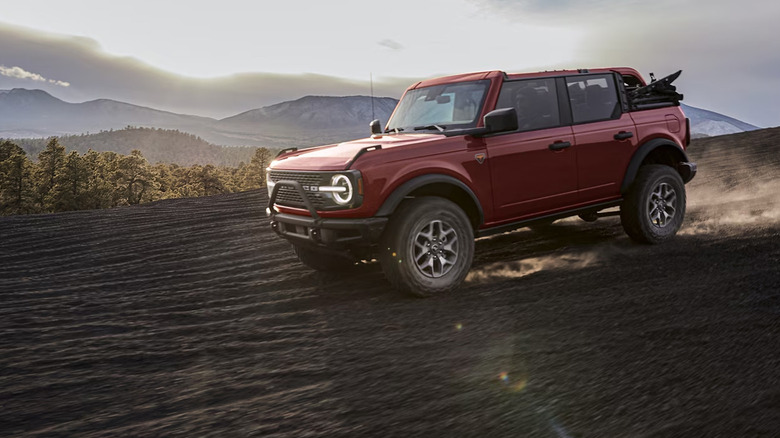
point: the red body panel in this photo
(520, 177)
(656, 124)
(402, 157)
(528, 178)
(601, 159)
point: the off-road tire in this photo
(324, 261)
(427, 247)
(654, 207)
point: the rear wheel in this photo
(654, 207)
(427, 247)
(319, 260)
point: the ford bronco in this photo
(475, 154)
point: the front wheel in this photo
(428, 247)
(654, 207)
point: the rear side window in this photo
(593, 98)
(535, 101)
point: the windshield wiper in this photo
(394, 130)
(421, 128)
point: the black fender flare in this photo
(394, 200)
(642, 153)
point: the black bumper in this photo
(687, 171)
(319, 231)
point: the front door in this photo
(533, 170)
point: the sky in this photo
(220, 58)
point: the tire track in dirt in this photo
(169, 302)
(190, 318)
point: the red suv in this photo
(475, 154)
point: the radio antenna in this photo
(371, 79)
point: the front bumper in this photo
(319, 231)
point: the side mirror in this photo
(501, 120)
(376, 127)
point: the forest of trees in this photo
(60, 181)
(166, 145)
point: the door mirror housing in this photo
(499, 120)
(376, 127)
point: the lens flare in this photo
(513, 385)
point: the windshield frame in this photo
(445, 91)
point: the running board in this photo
(568, 213)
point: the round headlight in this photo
(342, 197)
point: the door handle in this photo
(559, 145)
(622, 135)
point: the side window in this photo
(593, 98)
(535, 101)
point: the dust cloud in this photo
(733, 200)
(526, 267)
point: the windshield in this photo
(440, 107)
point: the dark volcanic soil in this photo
(191, 318)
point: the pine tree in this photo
(50, 163)
(16, 184)
(71, 188)
(255, 176)
(100, 188)
(211, 181)
(165, 180)
(135, 181)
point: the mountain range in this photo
(308, 121)
(705, 123)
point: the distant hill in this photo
(308, 121)
(321, 119)
(35, 111)
(706, 123)
(157, 145)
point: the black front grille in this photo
(289, 196)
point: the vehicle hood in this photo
(338, 156)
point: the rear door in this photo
(533, 169)
(604, 134)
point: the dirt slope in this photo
(190, 318)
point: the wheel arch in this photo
(656, 151)
(444, 186)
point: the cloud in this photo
(20, 73)
(725, 67)
(563, 10)
(97, 74)
(390, 44)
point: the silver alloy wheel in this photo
(662, 205)
(435, 248)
